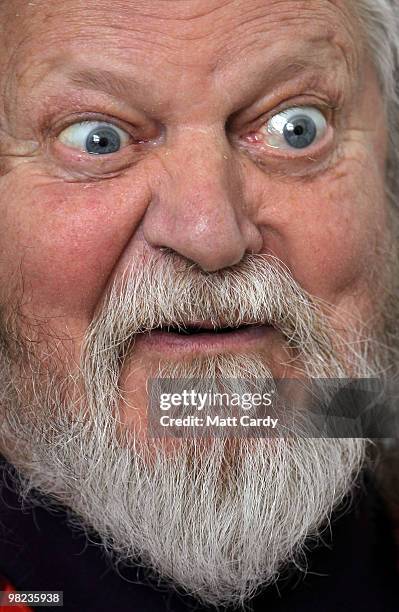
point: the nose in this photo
(198, 207)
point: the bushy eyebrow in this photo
(276, 71)
(103, 80)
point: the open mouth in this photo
(204, 337)
(192, 330)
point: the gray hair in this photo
(380, 20)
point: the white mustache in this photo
(167, 291)
(164, 290)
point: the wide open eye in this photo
(94, 137)
(295, 128)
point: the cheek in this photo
(328, 231)
(62, 241)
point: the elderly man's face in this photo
(193, 98)
(200, 149)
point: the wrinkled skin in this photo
(199, 80)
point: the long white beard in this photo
(219, 518)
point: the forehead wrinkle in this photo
(305, 54)
(184, 14)
(325, 28)
(242, 33)
(216, 23)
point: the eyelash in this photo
(56, 130)
(327, 106)
(329, 110)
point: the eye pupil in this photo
(103, 140)
(300, 131)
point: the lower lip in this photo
(246, 338)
